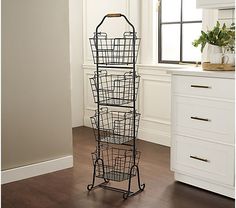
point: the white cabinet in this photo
(209, 161)
(202, 151)
(215, 4)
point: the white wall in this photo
(76, 61)
(36, 107)
(148, 30)
(155, 104)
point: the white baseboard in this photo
(157, 137)
(220, 189)
(41, 168)
(87, 122)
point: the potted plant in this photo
(218, 39)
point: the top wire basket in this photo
(115, 51)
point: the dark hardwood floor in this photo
(67, 188)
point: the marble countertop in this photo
(198, 71)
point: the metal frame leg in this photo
(126, 193)
(140, 186)
(91, 186)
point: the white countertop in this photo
(198, 71)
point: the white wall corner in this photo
(148, 47)
(36, 169)
(76, 61)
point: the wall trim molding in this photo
(155, 120)
(87, 122)
(157, 137)
(160, 79)
(36, 169)
(223, 190)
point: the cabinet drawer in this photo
(206, 160)
(204, 86)
(212, 120)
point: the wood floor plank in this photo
(67, 188)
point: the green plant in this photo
(231, 43)
(218, 36)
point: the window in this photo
(179, 23)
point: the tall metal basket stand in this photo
(115, 127)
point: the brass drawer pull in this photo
(200, 119)
(201, 86)
(198, 158)
(114, 15)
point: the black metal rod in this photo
(134, 106)
(179, 22)
(113, 105)
(120, 67)
(160, 33)
(181, 32)
(98, 106)
(113, 188)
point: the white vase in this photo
(229, 58)
(212, 50)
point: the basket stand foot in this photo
(140, 186)
(126, 193)
(91, 186)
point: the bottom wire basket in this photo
(117, 163)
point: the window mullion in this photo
(160, 33)
(181, 31)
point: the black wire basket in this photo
(117, 163)
(115, 127)
(114, 89)
(114, 51)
